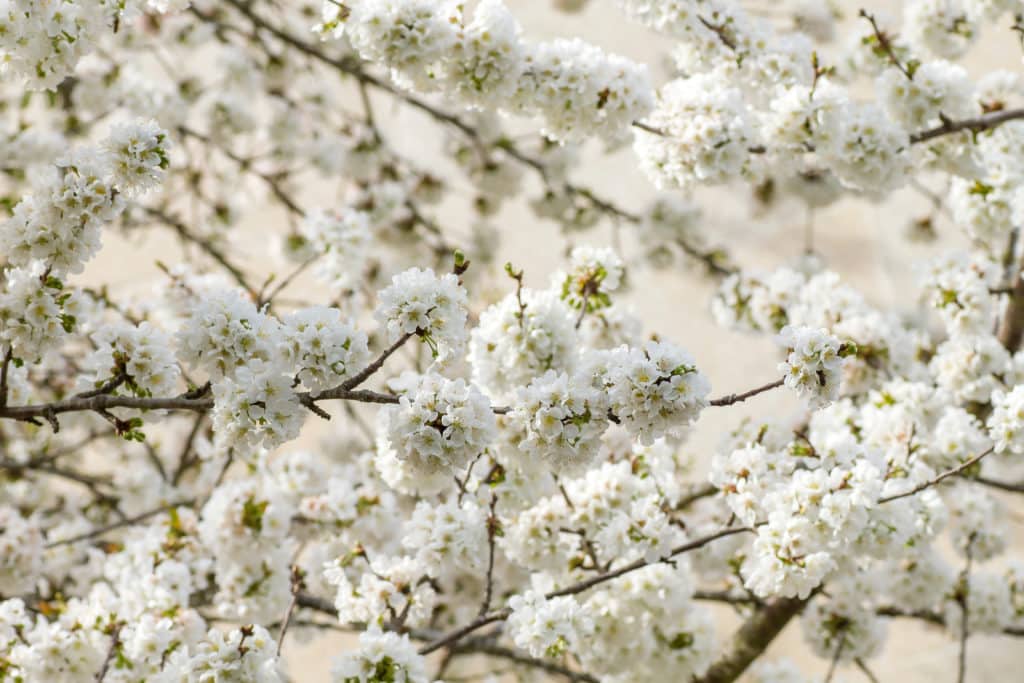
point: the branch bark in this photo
(1011, 327)
(752, 638)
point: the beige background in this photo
(864, 242)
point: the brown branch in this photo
(103, 402)
(713, 259)
(115, 643)
(720, 30)
(364, 374)
(975, 125)
(1011, 325)
(96, 533)
(1000, 485)
(8, 357)
(698, 492)
(937, 479)
(835, 657)
(751, 639)
(262, 300)
(933, 618)
(297, 584)
(886, 45)
(456, 635)
(865, 670)
(737, 398)
(493, 527)
(272, 180)
(206, 246)
(488, 647)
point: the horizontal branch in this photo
(934, 618)
(48, 411)
(488, 647)
(1000, 485)
(975, 125)
(130, 521)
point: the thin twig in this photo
(206, 246)
(456, 635)
(301, 268)
(492, 533)
(865, 670)
(886, 45)
(298, 585)
(737, 398)
(937, 479)
(96, 533)
(965, 580)
(365, 373)
(835, 657)
(8, 357)
(115, 643)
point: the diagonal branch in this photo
(751, 639)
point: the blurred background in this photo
(867, 243)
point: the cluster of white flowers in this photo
(341, 241)
(42, 41)
(576, 88)
(843, 628)
(243, 654)
(448, 534)
(562, 419)
(431, 307)
(35, 311)
(703, 134)
(936, 89)
(960, 290)
(593, 275)
(520, 338)
(652, 390)
(813, 364)
(437, 428)
(548, 627)
(325, 349)
(1006, 424)
(246, 525)
(648, 625)
(504, 471)
(22, 545)
(382, 656)
(59, 222)
(139, 357)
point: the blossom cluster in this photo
(383, 426)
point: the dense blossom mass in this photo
(476, 467)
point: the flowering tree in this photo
(507, 488)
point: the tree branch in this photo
(975, 125)
(938, 479)
(738, 398)
(1011, 326)
(752, 638)
(500, 615)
